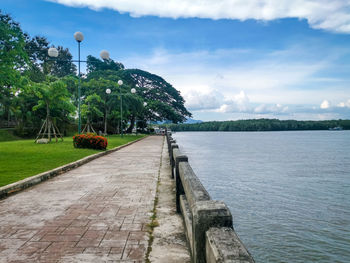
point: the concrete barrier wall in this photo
(208, 223)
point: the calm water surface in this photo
(289, 192)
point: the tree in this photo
(40, 62)
(54, 98)
(90, 110)
(12, 54)
(95, 64)
(62, 65)
(12, 60)
(151, 87)
(164, 102)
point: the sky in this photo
(230, 59)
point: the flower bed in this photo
(90, 140)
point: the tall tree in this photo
(12, 54)
(40, 62)
(164, 101)
(54, 98)
(91, 110)
(12, 60)
(95, 64)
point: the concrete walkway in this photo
(96, 213)
(170, 244)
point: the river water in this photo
(289, 192)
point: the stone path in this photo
(96, 213)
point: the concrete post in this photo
(172, 161)
(171, 141)
(223, 245)
(207, 214)
(179, 187)
(168, 138)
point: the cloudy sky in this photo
(231, 59)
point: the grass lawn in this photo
(23, 158)
(5, 135)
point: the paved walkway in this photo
(96, 213)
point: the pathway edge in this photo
(7, 190)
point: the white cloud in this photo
(275, 109)
(332, 15)
(325, 104)
(268, 78)
(345, 104)
(203, 101)
(238, 103)
(234, 82)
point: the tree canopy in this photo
(34, 86)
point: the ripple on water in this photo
(289, 192)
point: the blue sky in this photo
(231, 59)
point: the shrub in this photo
(90, 140)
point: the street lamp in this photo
(144, 105)
(108, 91)
(104, 54)
(53, 52)
(133, 91)
(120, 83)
(79, 37)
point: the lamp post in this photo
(144, 105)
(108, 91)
(53, 52)
(120, 83)
(133, 91)
(79, 37)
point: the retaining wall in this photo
(208, 223)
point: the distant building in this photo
(159, 131)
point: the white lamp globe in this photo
(145, 104)
(53, 52)
(104, 54)
(120, 82)
(133, 90)
(108, 91)
(78, 36)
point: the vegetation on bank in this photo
(261, 125)
(23, 158)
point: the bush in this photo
(90, 140)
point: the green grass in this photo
(6, 135)
(23, 158)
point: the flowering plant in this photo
(90, 140)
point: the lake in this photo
(289, 192)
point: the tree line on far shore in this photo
(262, 125)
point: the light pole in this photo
(144, 105)
(53, 52)
(79, 37)
(133, 91)
(120, 83)
(108, 91)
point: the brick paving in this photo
(96, 213)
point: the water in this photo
(289, 192)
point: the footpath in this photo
(99, 212)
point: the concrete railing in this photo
(208, 223)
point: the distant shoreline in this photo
(255, 125)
